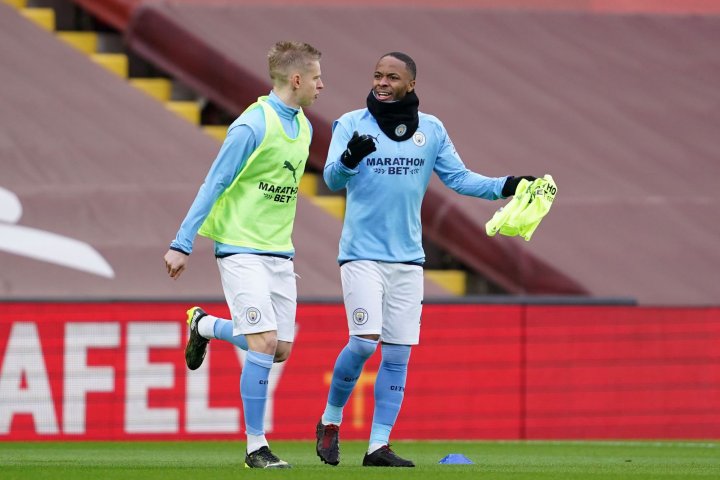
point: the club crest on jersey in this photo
(400, 130)
(419, 139)
(252, 315)
(360, 316)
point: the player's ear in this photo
(295, 80)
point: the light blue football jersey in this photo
(385, 191)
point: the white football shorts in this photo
(383, 299)
(261, 293)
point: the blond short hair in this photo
(286, 56)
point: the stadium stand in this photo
(96, 177)
(585, 97)
(118, 12)
(621, 110)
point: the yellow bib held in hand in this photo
(522, 215)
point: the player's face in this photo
(310, 85)
(392, 80)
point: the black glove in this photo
(358, 148)
(511, 184)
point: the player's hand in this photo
(512, 183)
(358, 148)
(175, 263)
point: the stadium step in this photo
(16, 3)
(187, 109)
(332, 204)
(115, 62)
(454, 281)
(309, 184)
(44, 17)
(218, 132)
(86, 42)
(159, 88)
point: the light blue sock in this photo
(223, 330)
(348, 367)
(389, 391)
(253, 390)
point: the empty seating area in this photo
(617, 100)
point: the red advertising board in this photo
(116, 371)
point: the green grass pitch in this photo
(492, 460)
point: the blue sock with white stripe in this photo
(253, 390)
(223, 330)
(389, 392)
(348, 367)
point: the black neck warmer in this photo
(398, 120)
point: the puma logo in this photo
(292, 169)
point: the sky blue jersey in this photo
(385, 191)
(243, 137)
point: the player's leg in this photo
(348, 366)
(284, 302)
(203, 328)
(362, 291)
(347, 370)
(222, 329)
(389, 394)
(401, 329)
(254, 393)
(247, 281)
(254, 387)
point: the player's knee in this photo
(265, 342)
(362, 346)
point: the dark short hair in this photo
(405, 58)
